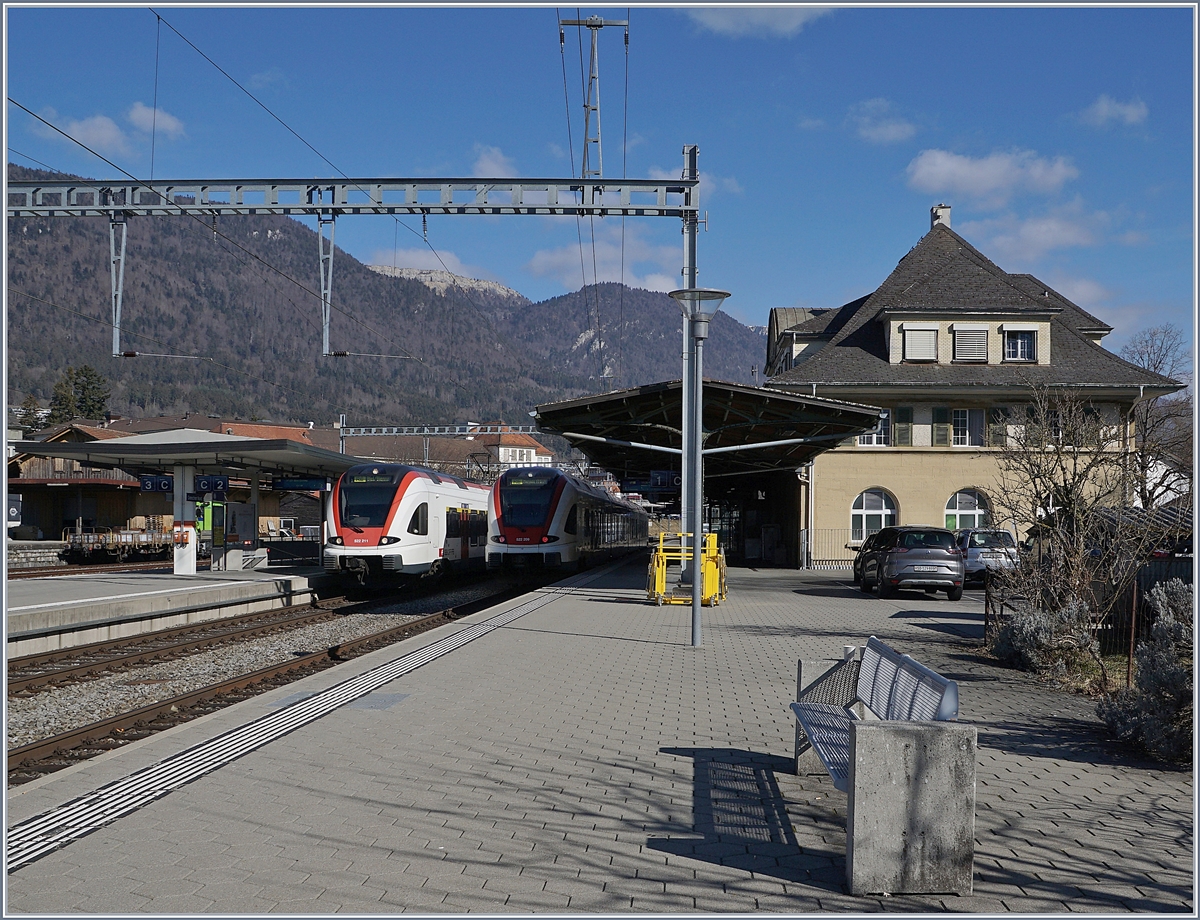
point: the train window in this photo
(453, 530)
(420, 520)
(478, 528)
(572, 524)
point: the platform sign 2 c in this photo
(212, 484)
(158, 483)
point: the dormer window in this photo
(920, 341)
(970, 343)
(1020, 345)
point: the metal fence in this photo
(827, 547)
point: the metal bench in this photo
(884, 729)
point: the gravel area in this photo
(62, 709)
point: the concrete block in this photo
(910, 824)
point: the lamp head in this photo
(699, 305)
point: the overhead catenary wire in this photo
(424, 235)
(215, 231)
(620, 371)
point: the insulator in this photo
(339, 354)
(129, 354)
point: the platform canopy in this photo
(208, 452)
(746, 429)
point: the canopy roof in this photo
(210, 453)
(748, 421)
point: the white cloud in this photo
(564, 263)
(990, 180)
(1106, 109)
(1029, 239)
(491, 163)
(270, 79)
(99, 132)
(144, 119)
(1083, 291)
(778, 21)
(709, 183)
(426, 258)
(811, 124)
(875, 121)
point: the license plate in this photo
(925, 568)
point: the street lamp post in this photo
(699, 306)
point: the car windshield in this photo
(927, 539)
(991, 538)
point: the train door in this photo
(452, 547)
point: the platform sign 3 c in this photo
(158, 483)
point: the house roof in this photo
(944, 274)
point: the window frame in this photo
(963, 345)
(911, 333)
(1021, 335)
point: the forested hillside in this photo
(245, 302)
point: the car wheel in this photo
(886, 590)
(954, 594)
(863, 585)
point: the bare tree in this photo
(1064, 481)
(1161, 456)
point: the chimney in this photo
(939, 214)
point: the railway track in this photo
(30, 761)
(51, 571)
(32, 673)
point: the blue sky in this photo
(1062, 138)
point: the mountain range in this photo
(226, 319)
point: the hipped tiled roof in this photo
(944, 274)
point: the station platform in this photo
(570, 752)
(43, 614)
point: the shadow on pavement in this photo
(740, 819)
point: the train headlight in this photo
(336, 541)
(499, 539)
(388, 541)
(550, 539)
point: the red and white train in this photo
(388, 520)
(542, 516)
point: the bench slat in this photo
(828, 731)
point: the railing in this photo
(827, 548)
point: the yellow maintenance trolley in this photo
(675, 549)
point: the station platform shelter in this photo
(758, 444)
(189, 456)
(569, 752)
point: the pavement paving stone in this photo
(613, 755)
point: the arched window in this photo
(873, 510)
(967, 508)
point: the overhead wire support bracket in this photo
(116, 257)
(449, 431)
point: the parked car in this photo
(986, 549)
(861, 550)
(911, 557)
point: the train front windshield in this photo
(365, 498)
(525, 497)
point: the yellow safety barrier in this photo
(676, 548)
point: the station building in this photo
(950, 346)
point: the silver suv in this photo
(986, 549)
(911, 557)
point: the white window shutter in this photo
(920, 344)
(970, 345)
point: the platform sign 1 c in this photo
(158, 483)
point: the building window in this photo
(967, 508)
(968, 427)
(873, 510)
(970, 344)
(1020, 345)
(880, 437)
(920, 345)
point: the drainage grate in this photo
(34, 838)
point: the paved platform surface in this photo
(584, 758)
(36, 607)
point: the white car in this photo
(986, 549)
